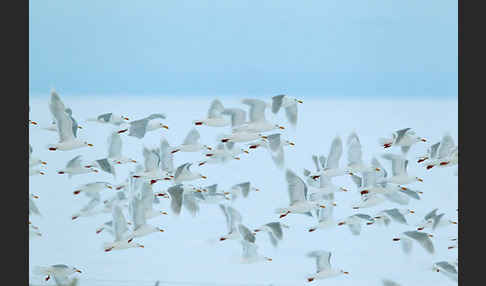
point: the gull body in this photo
(323, 265)
(215, 117)
(290, 105)
(64, 123)
(74, 167)
(297, 191)
(110, 118)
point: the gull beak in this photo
(420, 180)
(423, 140)
(80, 127)
(396, 239)
(133, 161)
(377, 169)
(164, 213)
(341, 223)
(430, 235)
(126, 118)
(42, 173)
(142, 246)
(43, 163)
(109, 187)
(257, 190)
(246, 152)
(35, 196)
(79, 271)
(90, 145)
(264, 137)
(203, 177)
(209, 148)
(33, 122)
(226, 193)
(198, 191)
(334, 204)
(322, 206)
(291, 143)
(300, 101)
(281, 127)
(345, 272)
(165, 126)
(412, 212)
(161, 230)
(236, 158)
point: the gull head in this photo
(290, 143)
(162, 125)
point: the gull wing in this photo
(238, 116)
(398, 163)
(277, 102)
(138, 128)
(119, 223)
(291, 113)
(447, 266)
(315, 159)
(326, 213)
(244, 187)
(323, 259)
(355, 228)
(32, 207)
(175, 193)
(74, 162)
(296, 187)
(412, 194)
(150, 160)
(431, 214)
(357, 180)
(64, 123)
(437, 220)
(166, 158)
(433, 150)
(446, 146)
(354, 149)
(212, 189)
(235, 218)
(192, 137)
(179, 170)
(114, 145)
(74, 122)
(215, 109)
(400, 133)
(250, 250)
(105, 117)
(407, 245)
(190, 203)
(246, 233)
(396, 216)
(423, 239)
(156, 115)
(335, 153)
(138, 212)
(257, 109)
(276, 228)
(226, 216)
(322, 160)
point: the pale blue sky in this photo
(333, 47)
